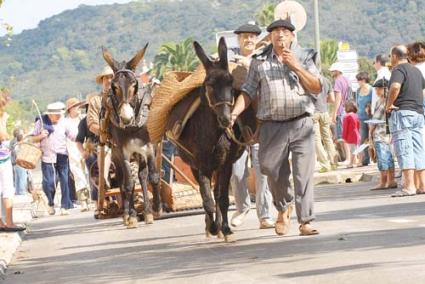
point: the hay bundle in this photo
(174, 87)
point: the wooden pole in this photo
(180, 172)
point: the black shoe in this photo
(12, 229)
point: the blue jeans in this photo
(21, 182)
(384, 156)
(338, 126)
(406, 129)
(168, 149)
(52, 173)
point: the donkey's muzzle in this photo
(126, 113)
(224, 121)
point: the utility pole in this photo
(316, 28)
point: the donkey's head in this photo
(124, 85)
(218, 83)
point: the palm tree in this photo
(265, 15)
(175, 57)
(328, 55)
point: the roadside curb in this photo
(10, 242)
(362, 174)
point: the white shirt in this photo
(421, 67)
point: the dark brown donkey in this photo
(129, 138)
(208, 150)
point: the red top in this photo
(350, 128)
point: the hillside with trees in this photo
(61, 57)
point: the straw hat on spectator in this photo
(107, 71)
(74, 102)
(55, 108)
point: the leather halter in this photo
(215, 105)
(115, 118)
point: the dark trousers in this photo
(54, 173)
(90, 162)
(364, 134)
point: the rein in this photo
(247, 134)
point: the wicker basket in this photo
(27, 155)
(174, 87)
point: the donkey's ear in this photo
(132, 64)
(109, 59)
(202, 56)
(222, 53)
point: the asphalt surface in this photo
(366, 237)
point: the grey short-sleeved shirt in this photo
(320, 102)
(279, 98)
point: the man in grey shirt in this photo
(283, 77)
(325, 148)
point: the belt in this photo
(306, 114)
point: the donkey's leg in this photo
(207, 201)
(224, 179)
(143, 177)
(155, 183)
(218, 217)
(129, 196)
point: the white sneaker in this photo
(64, 212)
(238, 218)
(51, 210)
(266, 223)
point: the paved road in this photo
(366, 237)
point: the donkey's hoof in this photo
(207, 234)
(229, 238)
(132, 223)
(125, 219)
(220, 235)
(157, 214)
(148, 219)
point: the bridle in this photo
(116, 105)
(214, 105)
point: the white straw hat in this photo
(106, 72)
(55, 108)
(337, 66)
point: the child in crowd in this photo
(351, 131)
(382, 141)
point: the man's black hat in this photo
(281, 24)
(381, 83)
(248, 28)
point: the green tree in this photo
(265, 15)
(365, 64)
(328, 55)
(175, 57)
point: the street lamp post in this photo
(316, 28)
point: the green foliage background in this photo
(62, 56)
